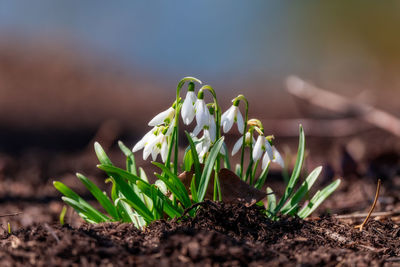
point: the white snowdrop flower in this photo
(204, 145)
(230, 116)
(239, 143)
(163, 117)
(157, 145)
(142, 142)
(258, 147)
(202, 113)
(188, 110)
(277, 157)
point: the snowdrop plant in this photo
(134, 199)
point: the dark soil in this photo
(220, 234)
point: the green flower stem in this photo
(217, 187)
(176, 124)
(238, 98)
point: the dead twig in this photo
(341, 105)
(372, 207)
(381, 214)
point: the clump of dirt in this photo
(222, 234)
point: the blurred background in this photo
(72, 72)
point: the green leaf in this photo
(130, 158)
(144, 186)
(142, 174)
(208, 167)
(195, 157)
(101, 154)
(104, 201)
(271, 199)
(182, 196)
(130, 197)
(82, 212)
(318, 198)
(295, 174)
(261, 180)
(176, 182)
(171, 210)
(302, 191)
(227, 163)
(187, 160)
(80, 203)
(193, 190)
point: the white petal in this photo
(268, 149)
(150, 146)
(154, 154)
(239, 120)
(237, 146)
(162, 116)
(228, 120)
(196, 130)
(142, 142)
(277, 157)
(257, 151)
(265, 161)
(164, 151)
(188, 111)
(202, 113)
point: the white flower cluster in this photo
(157, 140)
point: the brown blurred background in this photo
(69, 68)
(72, 72)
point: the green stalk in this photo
(176, 124)
(217, 187)
(238, 98)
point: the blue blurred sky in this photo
(211, 39)
(206, 38)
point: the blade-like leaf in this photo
(187, 160)
(318, 198)
(92, 212)
(130, 158)
(171, 210)
(195, 157)
(144, 186)
(104, 201)
(302, 191)
(101, 154)
(177, 183)
(227, 163)
(175, 191)
(82, 211)
(133, 199)
(261, 180)
(271, 199)
(208, 167)
(295, 174)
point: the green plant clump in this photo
(134, 199)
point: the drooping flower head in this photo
(188, 111)
(232, 115)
